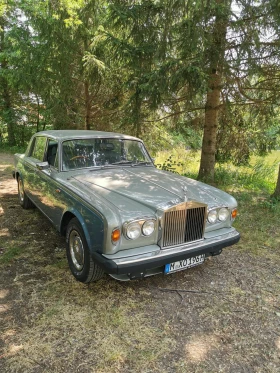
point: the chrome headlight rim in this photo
(225, 211)
(216, 214)
(141, 224)
(129, 230)
(212, 216)
(145, 231)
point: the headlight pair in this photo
(134, 229)
(218, 214)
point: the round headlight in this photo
(212, 216)
(133, 231)
(223, 214)
(148, 227)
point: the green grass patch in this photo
(259, 175)
(5, 148)
(10, 254)
(252, 186)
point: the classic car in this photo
(119, 213)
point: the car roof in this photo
(78, 134)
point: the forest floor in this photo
(222, 316)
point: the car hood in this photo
(146, 188)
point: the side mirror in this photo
(42, 165)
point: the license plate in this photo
(184, 264)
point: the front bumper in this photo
(138, 265)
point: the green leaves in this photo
(170, 164)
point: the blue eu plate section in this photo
(184, 264)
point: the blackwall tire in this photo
(83, 268)
(24, 201)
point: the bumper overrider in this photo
(136, 266)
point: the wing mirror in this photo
(42, 165)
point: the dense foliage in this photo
(201, 73)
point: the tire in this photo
(24, 201)
(83, 268)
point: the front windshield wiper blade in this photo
(132, 163)
(141, 163)
(122, 162)
(101, 167)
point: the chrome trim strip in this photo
(179, 249)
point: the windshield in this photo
(80, 153)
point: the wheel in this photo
(80, 262)
(24, 201)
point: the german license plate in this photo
(184, 264)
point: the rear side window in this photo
(39, 147)
(52, 156)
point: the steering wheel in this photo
(79, 157)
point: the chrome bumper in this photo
(153, 257)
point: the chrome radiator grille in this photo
(183, 225)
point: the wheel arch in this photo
(17, 175)
(67, 217)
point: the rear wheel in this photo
(80, 262)
(24, 201)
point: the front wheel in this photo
(80, 262)
(24, 201)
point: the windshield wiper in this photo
(122, 162)
(101, 167)
(141, 163)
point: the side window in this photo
(38, 150)
(52, 154)
(56, 161)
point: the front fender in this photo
(92, 224)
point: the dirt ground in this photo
(222, 316)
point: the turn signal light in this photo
(233, 214)
(116, 235)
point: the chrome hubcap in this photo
(20, 190)
(76, 250)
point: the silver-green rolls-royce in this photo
(119, 213)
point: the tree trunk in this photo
(207, 162)
(216, 55)
(38, 114)
(87, 106)
(137, 113)
(276, 193)
(8, 113)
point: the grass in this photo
(251, 185)
(10, 254)
(5, 148)
(218, 317)
(259, 175)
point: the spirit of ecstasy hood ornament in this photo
(185, 189)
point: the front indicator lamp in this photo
(233, 214)
(115, 236)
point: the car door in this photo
(42, 180)
(51, 202)
(31, 178)
(50, 199)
